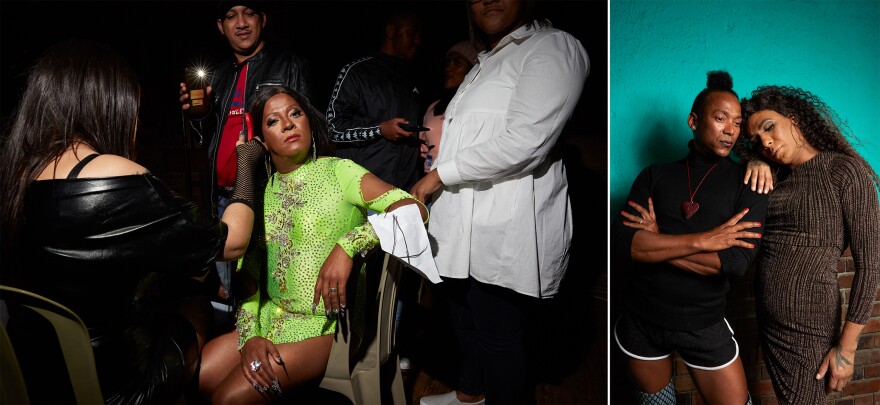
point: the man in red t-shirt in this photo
(232, 86)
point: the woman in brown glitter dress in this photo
(824, 200)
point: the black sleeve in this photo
(736, 260)
(347, 121)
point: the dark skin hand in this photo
(692, 252)
(184, 96)
(392, 131)
(333, 274)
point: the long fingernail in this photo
(280, 361)
(257, 387)
(313, 308)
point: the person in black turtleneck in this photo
(688, 225)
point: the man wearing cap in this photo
(233, 85)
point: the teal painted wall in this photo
(660, 52)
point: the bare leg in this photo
(223, 381)
(219, 356)
(650, 376)
(724, 386)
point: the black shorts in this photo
(712, 348)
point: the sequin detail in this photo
(306, 212)
(246, 324)
(360, 240)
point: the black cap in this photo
(224, 5)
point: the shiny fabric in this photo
(271, 66)
(816, 211)
(115, 250)
(307, 213)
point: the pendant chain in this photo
(694, 192)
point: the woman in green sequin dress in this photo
(314, 217)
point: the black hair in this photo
(78, 91)
(820, 125)
(532, 14)
(716, 80)
(317, 122)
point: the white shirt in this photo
(503, 215)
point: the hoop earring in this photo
(314, 150)
(791, 131)
(267, 161)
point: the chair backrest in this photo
(73, 337)
(12, 389)
(355, 372)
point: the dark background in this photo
(160, 38)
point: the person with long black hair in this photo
(824, 200)
(86, 226)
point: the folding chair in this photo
(72, 335)
(356, 372)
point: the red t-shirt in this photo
(226, 155)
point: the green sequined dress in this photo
(306, 213)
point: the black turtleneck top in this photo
(659, 292)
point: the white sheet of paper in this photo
(402, 233)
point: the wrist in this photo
(848, 348)
(693, 242)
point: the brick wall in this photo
(865, 385)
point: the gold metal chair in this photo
(357, 373)
(73, 337)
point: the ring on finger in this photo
(332, 290)
(641, 220)
(255, 365)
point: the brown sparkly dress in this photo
(820, 208)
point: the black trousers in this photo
(490, 323)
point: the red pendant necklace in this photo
(689, 207)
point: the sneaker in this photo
(404, 364)
(448, 398)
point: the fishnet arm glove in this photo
(249, 153)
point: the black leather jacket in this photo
(269, 67)
(103, 247)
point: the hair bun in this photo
(719, 80)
